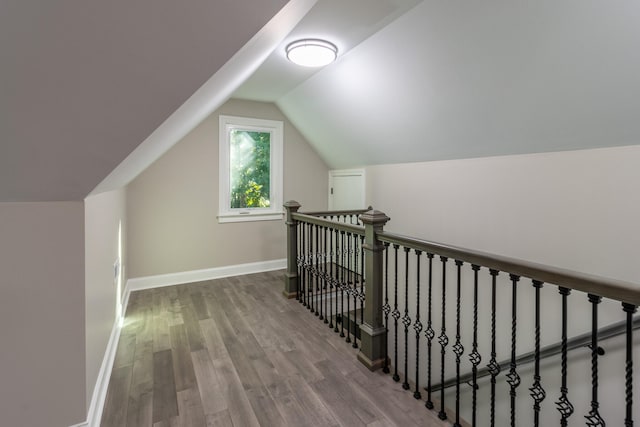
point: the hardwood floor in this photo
(234, 352)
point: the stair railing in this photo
(401, 282)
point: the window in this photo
(250, 169)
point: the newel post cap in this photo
(374, 217)
(292, 205)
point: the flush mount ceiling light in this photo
(311, 52)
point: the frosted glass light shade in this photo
(311, 52)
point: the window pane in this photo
(250, 154)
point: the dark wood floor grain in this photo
(234, 352)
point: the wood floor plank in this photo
(165, 404)
(140, 408)
(117, 398)
(161, 336)
(219, 419)
(185, 376)
(210, 387)
(190, 408)
(234, 352)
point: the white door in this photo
(346, 189)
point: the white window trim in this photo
(274, 212)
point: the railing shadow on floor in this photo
(380, 286)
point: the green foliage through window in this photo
(250, 155)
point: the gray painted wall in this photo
(42, 314)
(172, 206)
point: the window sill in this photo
(248, 217)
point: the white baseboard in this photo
(140, 283)
(148, 282)
(102, 382)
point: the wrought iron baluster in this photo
(429, 333)
(406, 320)
(494, 368)
(332, 281)
(355, 290)
(323, 313)
(537, 392)
(593, 417)
(342, 285)
(308, 263)
(362, 281)
(513, 379)
(417, 326)
(396, 315)
(299, 258)
(316, 286)
(458, 349)
(338, 252)
(475, 357)
(348, 289)
(563, 404)
(443, 339)
(386, 309)
(629, 309)
(312, 258)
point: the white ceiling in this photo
(84, 83)
(458, 79)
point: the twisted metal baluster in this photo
(355, 290)
(563, 404)
(417, 326)
(303, 275)
(494, 368)
(537, 392)
(458, 349)
(443, 339)
(386, 309)
(406, 320)
(396, 315)
(593, 417)
(342, 285)
(323, 313)
(348, 290)
(299, 259)
(311, 269)
(317, 271)
(475, 357)
(429, 333)
(338, 251)
(332, 281)
(513, 379)
(629, 309)
(361, 295)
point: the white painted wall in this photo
(577, 210)
(42, 376)
(105, 243)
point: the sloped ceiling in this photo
(82, 83)
(458, 79)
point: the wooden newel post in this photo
(372, 331)
(291, 278)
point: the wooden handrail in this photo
(341, 226)
(336, 213)
(619, 290)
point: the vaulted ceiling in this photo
(84, 84)
(459, 79)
